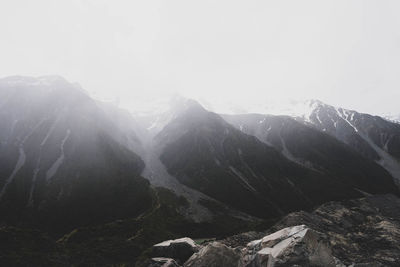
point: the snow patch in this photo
(285, 151)
(53, 169)
(319, 120)
(242, 178)
(154, 124)
(385, 147)
(18, 166)
(344, 115)
(49, 132)
(14, 123)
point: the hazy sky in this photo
(346, 53)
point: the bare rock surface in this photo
(215, 254)
(178, 249)
(360, 232)
(163, 262)
(298, 245)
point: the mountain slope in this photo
(137, 134)
(371, 136)
(204, 152)
(60, 166)
(315, 149)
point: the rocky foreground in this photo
(362, 232)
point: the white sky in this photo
(247, 52)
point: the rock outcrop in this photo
(298, 245)
(163, 262)
(361, 232)
(292, 246)
(178, 249)
(215, 254)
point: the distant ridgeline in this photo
(67, 160)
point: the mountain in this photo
(309, 147)
(393, 118)
(100, 186)
(62, 151)
(61, 166)
(372, 136)
(208, 154)
(70, 161)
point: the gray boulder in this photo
(163, 262)
(178, 249)
(290, 246)
(215, 254)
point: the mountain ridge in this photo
(72, 165)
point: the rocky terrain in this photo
(361, 232)
(85, 183)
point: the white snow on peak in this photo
(387, 161)
(344, 114)
(392, 118)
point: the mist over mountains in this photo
(68, 161)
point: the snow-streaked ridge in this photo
(387, 161)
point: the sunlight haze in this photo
(225, 53)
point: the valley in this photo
(84, 182)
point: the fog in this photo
(232, 55)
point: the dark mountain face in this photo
(317, 150)
(371, 136)
(68, 161)
(60, 165)
(206, 153)
(63, 153)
